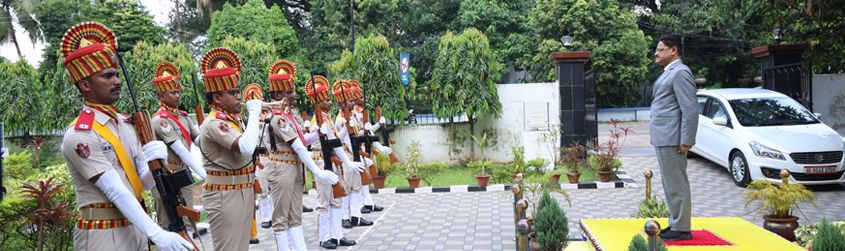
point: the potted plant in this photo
(777, 202)
(572, 157)
(383, 168)
(604, 153)
(411, 163)
(483, 178)
(551, 224)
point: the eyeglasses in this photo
(235, 92)
(660, 49)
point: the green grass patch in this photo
(454, 175)
(587, 174)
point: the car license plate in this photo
(819, 169)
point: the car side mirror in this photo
(818, 115)
(720, 121)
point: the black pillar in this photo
(569, 74)
(777, 55)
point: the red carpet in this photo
(700, 238)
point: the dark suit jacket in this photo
(674, 108)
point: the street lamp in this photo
(776, 35)
(567, 41)
(700, 80)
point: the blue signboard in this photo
(404, 67)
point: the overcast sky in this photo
(158, 8)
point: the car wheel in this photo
(739, 169)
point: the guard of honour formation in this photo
(113, 157)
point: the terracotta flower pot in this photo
(482, 180)
(555, 178)
(604, 176)
(573, 177)
(783, 227)
(414, 181)
(532, 242)
(378, 181)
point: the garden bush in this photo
(551, 224)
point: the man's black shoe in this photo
(266, 224)
(673, 235)
(663, 231)
(366, 209)
(253, 241)
(307, 209)
(343, 242)
(346, 224)
(329, 244)
(361, 222)
(376, 208)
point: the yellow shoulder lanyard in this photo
(314, 121)
(122, 157)
(355, 125)
(214, 114)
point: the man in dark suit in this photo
(674, 121)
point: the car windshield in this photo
(771, 112)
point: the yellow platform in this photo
(616, 234)
(580, 246)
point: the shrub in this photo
(551, 224)
(19, 166)
(427, 171)
(638, 243)
(537, 165)
(829, 238)
(805, 233)
(652, 208)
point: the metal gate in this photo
(794, 80)
(591, 129)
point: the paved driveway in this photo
(484, 220)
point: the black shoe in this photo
(266, 224)
(346, 224)
(329, 244)
(307, 209)
(253, 241)
(673, 235)
(366, 209)
(361, 222)
(377, 208)
(663, 231)
(201, 232)
(343, 242)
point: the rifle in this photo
(198, 106)
(385, 133)
(327, 145)
(354, 140)
(368, 142)
(168, 185)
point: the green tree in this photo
(19, 12)
(254, 21)
(504, 22)
(376, 66)
(818, 23)
(56, 17)
(619, 48)
(423, 23)
(464, 79)
(255, 56)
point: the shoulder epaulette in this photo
(183, 112)
(85, 120)
(277, 111)
(220, 115)
(127, 118)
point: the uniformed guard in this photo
(265, 203)
(104, 156)
(287, 140)
(329, 209)
(296, 116)
(176, 129)
(352, 203)
(229, 198)
(357, 96)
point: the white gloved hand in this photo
(155, 150)
(357, 166)
(368, 162)
(325, 129)
(254, 106)
(305, 157)
(340, 122)
(382, 120)
(115, 190)
(382, 148)
(368, 127)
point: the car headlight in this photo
(762, 151)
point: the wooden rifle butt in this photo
(365, 178)
(256, 187)
(391, 141)
(373, 171)
(393, 158)
(192, 213)
(337, 189)
(141, 120)
(200, 115)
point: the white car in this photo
(756, 133)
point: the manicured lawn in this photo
(587, 174)
(448, 177)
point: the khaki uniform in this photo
(168, 131)
(229, 199)
(261, 174)
(87, 155)
(352, 177)
(286, 172)
(325, 197)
